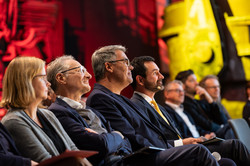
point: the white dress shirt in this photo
(180, 111)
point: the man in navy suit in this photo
(148, 80)
(112, 71)
(87, 128)
(9, 155)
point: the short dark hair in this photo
(183, 75)
(139, 68)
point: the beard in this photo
(190, 91)
(154, 87)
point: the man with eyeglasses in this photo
(87, 128)
(148, 81)
(211, 84)
(113, 74)
(174, 97)
(205, 111)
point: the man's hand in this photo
(191, 140)
(118, 132)
(91, 131)
(210, 135)
(33, 163)
(203, 93)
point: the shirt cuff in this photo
(178, 143)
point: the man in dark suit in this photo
(212, 85)
(174, 97)
(9, 155)
(87, 128)
(112, 71)
(205, 112)
(148, 80)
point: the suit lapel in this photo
(137, 110)
(161, 120)
(72, 111)
(123, 99)
(172, 122)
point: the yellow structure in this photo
(193, 40)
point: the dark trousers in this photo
(233, 149)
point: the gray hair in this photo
(102, 55)
(57, 66)
(167, 87)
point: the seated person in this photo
(112, 71)
(148, 80)
(9, 155)
(205, 112)
(211, 84)
(174, 97)
(37, 132)
(246, 109)
(70, 80)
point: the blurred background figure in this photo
(211, 84)
(246, 109)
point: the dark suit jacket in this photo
(74, 125)
(9, 155)
(246, 112)
(127, 118)
(205, 115)
(181, 125)
(170, 131)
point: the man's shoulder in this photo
(168, 108)
(136, 98)
(59, 106)
(99, 91)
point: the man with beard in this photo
(205, 112)
(112, 71)
(148, 81)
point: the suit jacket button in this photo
(160, 137)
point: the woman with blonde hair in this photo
(37, 132)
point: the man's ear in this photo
(184, 87)
(139, 80)
(60, 78)
(108, 67)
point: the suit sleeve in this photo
(200, 120)
(120, 121)
(14, 160)
(246, 112)
(217, 115)
(105, 144)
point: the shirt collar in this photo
(73, 103)
(174, 106)
(146, 97)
